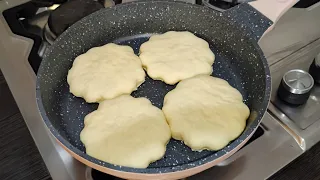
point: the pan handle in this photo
(273, 9)
(259, 16)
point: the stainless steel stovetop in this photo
(287, 131)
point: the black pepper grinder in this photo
(314, 69)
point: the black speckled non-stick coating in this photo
(232, 37)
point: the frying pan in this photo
(233, 37)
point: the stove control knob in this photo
(314, 69)
(295, 87)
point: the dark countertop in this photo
(305, 167)
(19, 156)
(21, 160)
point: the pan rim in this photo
(178, 169)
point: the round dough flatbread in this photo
(105, 72)
(205, 112)
(174, 56)
(126, 131)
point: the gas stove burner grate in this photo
(66, 14)
(222, 5)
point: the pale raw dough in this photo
(105, 72)
(205, 112)
(126, 131)
(174, 56)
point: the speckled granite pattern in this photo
(249, 20)
(239, 60)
